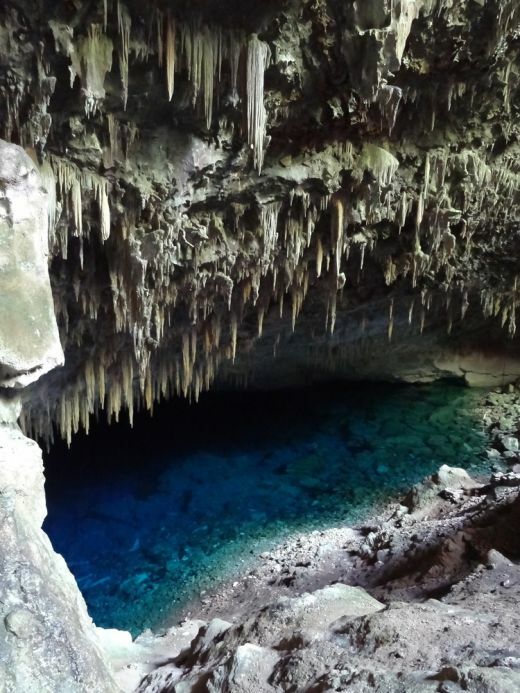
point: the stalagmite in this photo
(258, 56)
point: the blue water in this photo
(149, 517)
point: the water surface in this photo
(148, 517)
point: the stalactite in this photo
(420, 211)
(92, 61)
(333, 310)
(260, 317)
(90, 383)
(362, 256)
(101, 383)
(427, 168)
(235, 47)
(380, 162)
(319, 256)
(391, 320)
(234, 329)
(49, 183)
(170, 55)
(410, 311)
(113, 135)
(269, 213)
(210, 66)
(464, 305)
(402, 211)
(104, 211)
(99, 186)
(124, 23)
(337, 220)
(70, 181)
(258, 57)
(69, 184)
(160, 31)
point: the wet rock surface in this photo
(418, 600)
(421, 598)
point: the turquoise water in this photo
(149, 517)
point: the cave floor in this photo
(150, 519)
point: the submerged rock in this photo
(339, 637)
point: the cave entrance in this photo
(148, 518)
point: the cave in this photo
(259, 360)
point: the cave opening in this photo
(151, 518)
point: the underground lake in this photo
(148, 518)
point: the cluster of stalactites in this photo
(258, 57)
(201, 50)
(66, 181)
(293, 255)
(113, 382)
(504, 304)
(91, 60)
(196, 47)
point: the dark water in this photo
(147, 518)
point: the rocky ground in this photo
(421, 598)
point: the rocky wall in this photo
(48, 642)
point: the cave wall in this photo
(269, 194)
(48, 642)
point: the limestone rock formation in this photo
(303, 190)
(48, 643)
(29, 340)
